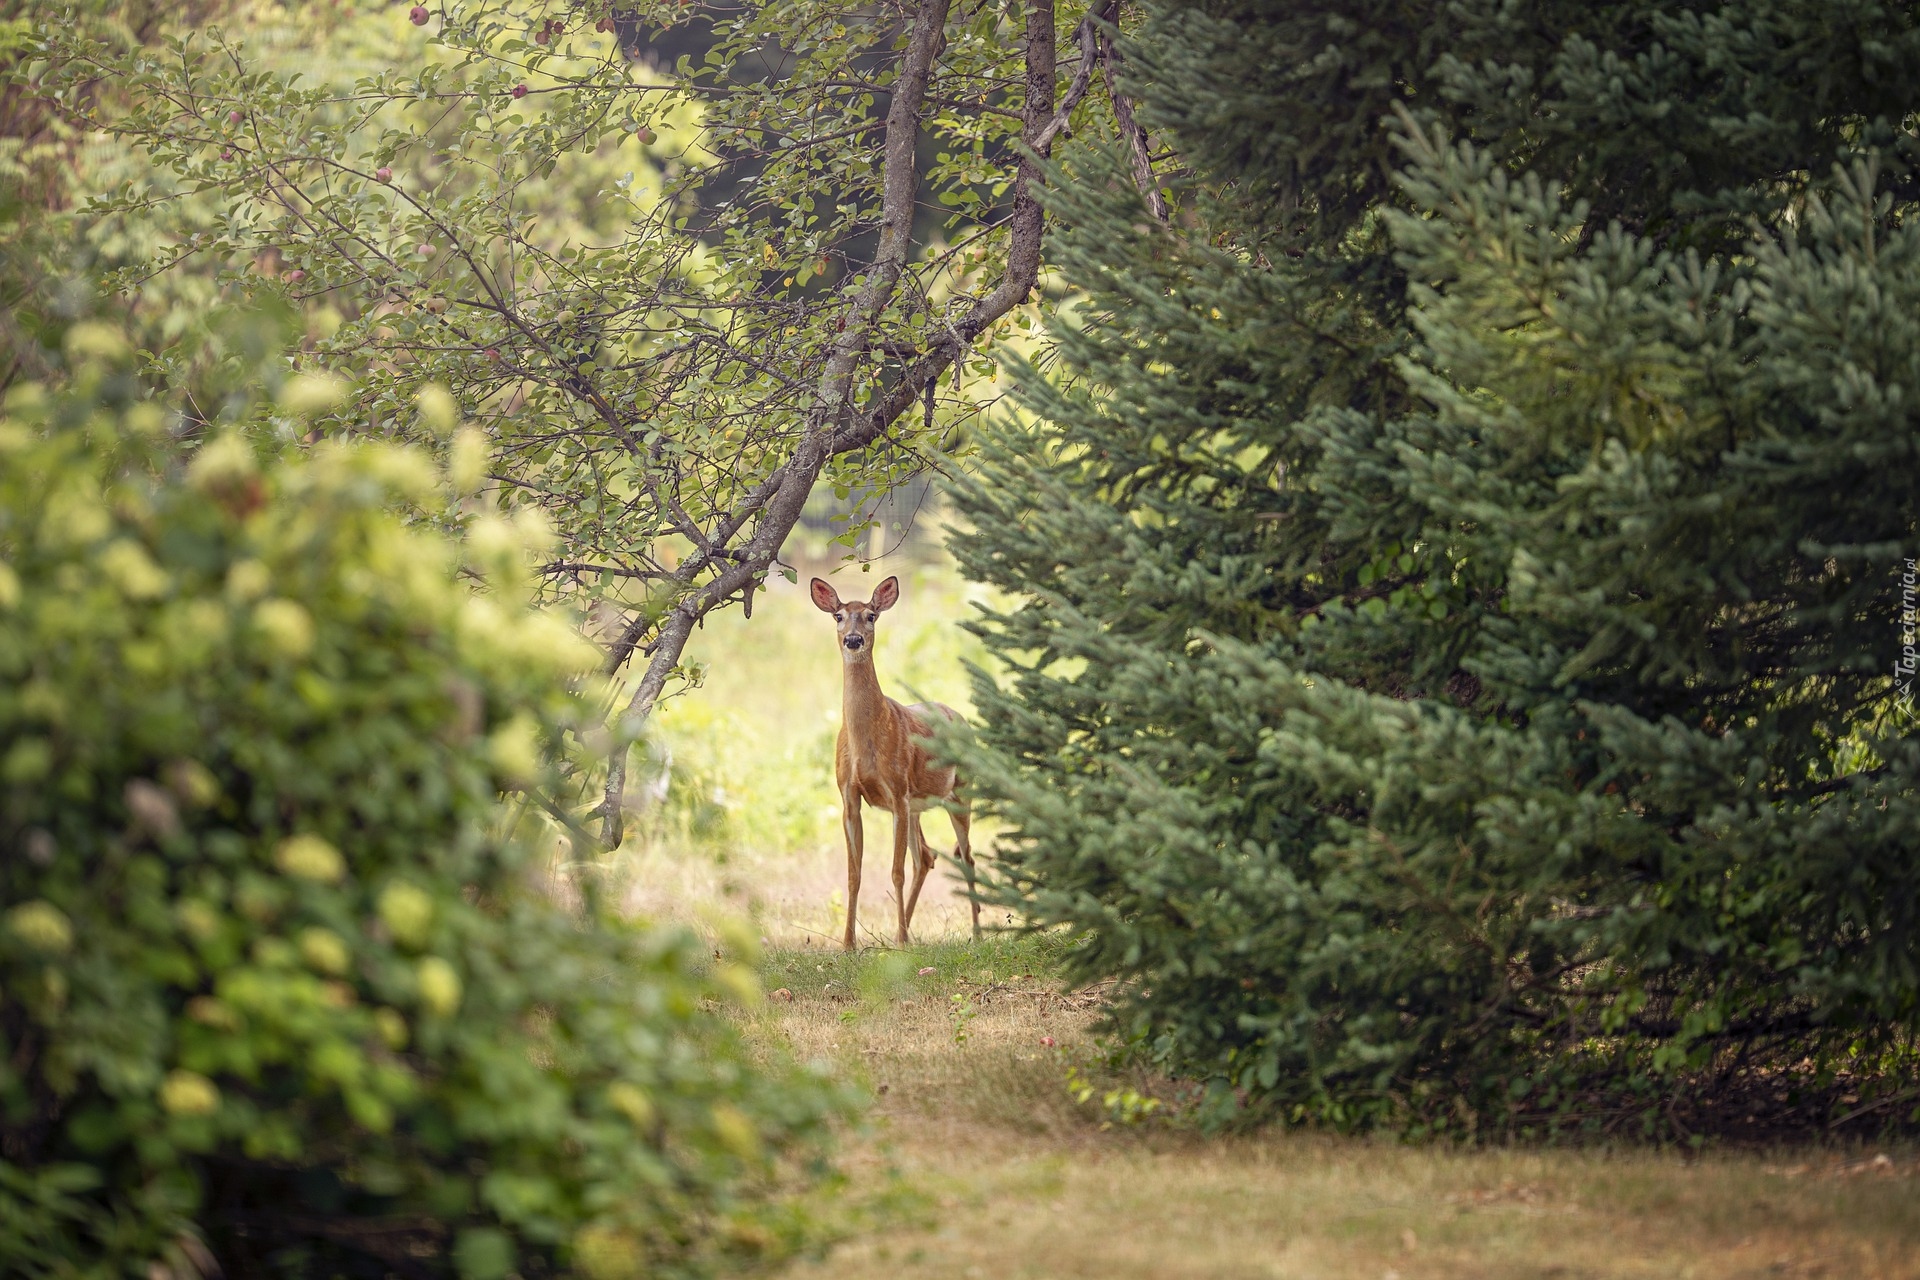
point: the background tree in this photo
(53, 255)
(1455, 673)
(749, 314)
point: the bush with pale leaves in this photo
(278, 989)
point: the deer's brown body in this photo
(881, 758)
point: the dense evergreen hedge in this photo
(1458, 566)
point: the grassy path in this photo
(1012, 1178)
(1017, 1180)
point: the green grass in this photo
(927, 969)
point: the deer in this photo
(881, 758)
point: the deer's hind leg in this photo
(962, 815)
(922, 863)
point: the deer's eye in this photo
(839, 617)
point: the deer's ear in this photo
(886, 593)
(825, 598)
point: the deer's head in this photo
(852, 619)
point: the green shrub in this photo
(281, 987)
(1458, 674)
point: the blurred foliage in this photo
(1462, 671)
(39, 144)
(283, 989)
(58, 251)
(626, 263)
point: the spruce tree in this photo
(1454, 670)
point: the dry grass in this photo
(972, 1109)
(971, 1112)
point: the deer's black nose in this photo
(854, 642)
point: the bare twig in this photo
(1086, 35)
(1876, 1105)
(1141, 155)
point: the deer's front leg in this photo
(903, 828)
(856, 852)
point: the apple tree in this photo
(679, 262)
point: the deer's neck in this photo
(863, 708)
